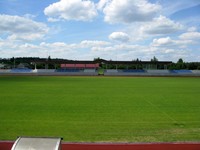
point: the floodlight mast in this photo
(33, 63)
(14, 61)
(35, 66)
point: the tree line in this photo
(180, 64)
(13, 62)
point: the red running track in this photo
(108, 146)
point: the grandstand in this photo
(101, 67)
(96, 72)
(80, 66)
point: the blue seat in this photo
(68, 70)
(134, 71)
(21, 70)
(181, 71)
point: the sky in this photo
(109, 29)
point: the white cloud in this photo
(20, 28)
(119, 36)
(29, 16)
(83, 10)
(167, 42)
(163, 42)
(168, 51)
(53, 45)
(171, 6)
(101, 4)
(89, 43)
(56, 49)
(131, 52)
(192, 29)
(118, 47)
(25, 36)
(161, 25)
(190, 36)
(53, 19)
(93, 49)
(128, 11)
(103, 49)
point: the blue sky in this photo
(109, 29)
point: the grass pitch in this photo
(101, 109)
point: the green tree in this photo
(154, 59)
(180, 61)
(180, 64)
(49, 58)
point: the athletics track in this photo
(7, 145)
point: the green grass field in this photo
(100, 109)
